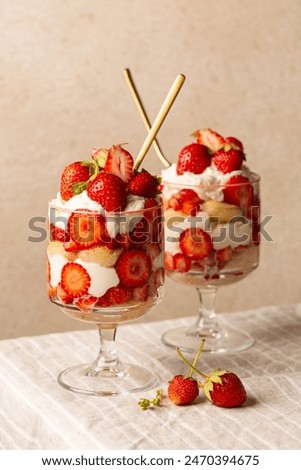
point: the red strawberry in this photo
(119, 162)
(124, 240)
(228, 159)
(75, 280)
(168, 261)
(210, 138)
(193, 158)
(63, 296)
(181, 263)
(103, 301)
(235, 141)
(159, 276)
(175, 203)
(58, 234)
(76, 172)
(109, 191)
(119, 295)
(141, 293)
(133, 268)
(239, 191)
(86, 303)
(188, 195)
(223, 256)
(86, 230)
(183, 390)
(143, 184)
(195, 243)
(224, 388)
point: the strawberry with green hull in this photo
(90, 265)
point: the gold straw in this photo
(168, 102)
(139, 104)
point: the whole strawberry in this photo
(143, 184)
(225, 389)
(229, 158)
(193, 158)
(183, 390)
(73, 174)
(109, 191)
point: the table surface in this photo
(37, 413)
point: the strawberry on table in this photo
(225, 389)
(193, 158)
(183, 390)
(119, 162)
(75, 280)
(74, 173)
(108, 190)
(195, 243)
(209, 138)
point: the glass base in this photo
(107, 381)
(223, 341)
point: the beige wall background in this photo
(63, 92)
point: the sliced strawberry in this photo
(51, 291)
(133, 268)
(223, 256)
(234, 141)
(175, 203)
(71, 245)
(195, 243)
(119, 162)
(159, 277)
(124, 240)
(189, 195)
(143, 184)
(75, 280)
(153, 250)
(103, 301)
(58, 234)
(210, 138)
(190, 208)
(141, 293)
(86, 303)
(74, 173)
(149, 203)
(63, 296)
(181, 263)
(119, 294)
(168, 261)
(86, 230)
(239, 191)
(109, 191)
(193, 158)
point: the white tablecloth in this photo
(37, 413)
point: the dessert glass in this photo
(103, 303)
(234, 254)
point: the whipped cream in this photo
(102, 278)
(208, 185)
(115, 224)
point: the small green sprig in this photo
(145, 403)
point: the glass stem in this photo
(206, 325)
(107, 357)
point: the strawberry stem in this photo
(196, 358)
(191, 365)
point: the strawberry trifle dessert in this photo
(211, 206)
(104, 257)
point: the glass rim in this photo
(159, 205)
(255, 178)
